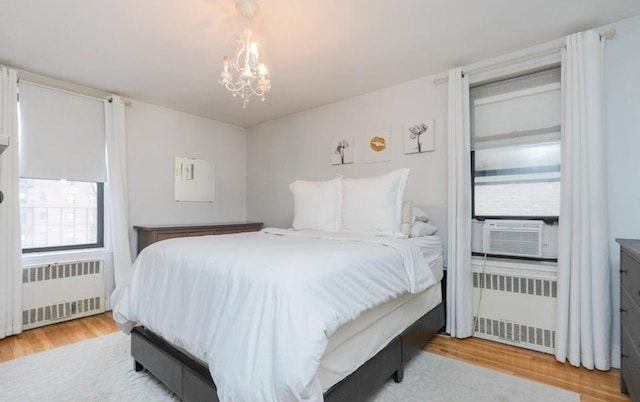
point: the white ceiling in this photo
(169, 52)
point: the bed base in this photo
(190, 380)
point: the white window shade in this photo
(519, 111)
(62, 135)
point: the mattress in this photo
(357, 341)
(431, 247)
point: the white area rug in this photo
(101, 369)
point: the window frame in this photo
(545, 219)
(81, 246)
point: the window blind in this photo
(517, 111)
(62, 135)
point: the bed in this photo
(361, 353)
(327, 310)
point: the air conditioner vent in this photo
(515, 238)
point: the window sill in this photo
(64, 255)
(549, 220)
(506, 266)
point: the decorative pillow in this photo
(373, 205)
(407, 218)
(317, 204)
(420, 229)
(419, 215)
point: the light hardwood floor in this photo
(53, 336)
(591, 385)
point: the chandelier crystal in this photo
(245, 75)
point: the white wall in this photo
(622, 86)
(155, 135)
(299, 147)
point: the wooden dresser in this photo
(630, 316)
(151, 234)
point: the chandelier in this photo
(245, 75)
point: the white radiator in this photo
(62, 291)
(515, 309)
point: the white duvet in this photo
(259, 307)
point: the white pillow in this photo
(420, 229)
(317, 204)
(373, 205)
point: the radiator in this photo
(515, 310)
(62, 291)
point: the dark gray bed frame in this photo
(190, 380)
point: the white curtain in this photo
(583, 329)
(10, 244)
(117, 187)
(459, 276)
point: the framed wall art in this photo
(378, 146)
(194, 180)
(342, 151)
(418, 137)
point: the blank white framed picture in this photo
(194, 180)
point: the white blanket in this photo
(259, 307)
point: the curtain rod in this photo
(58, 89)
(108, 98)
(611, 33)
(64, 86)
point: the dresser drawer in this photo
(630, 275)
(630, 365)
(630, 316)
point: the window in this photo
(62, 169)
(515, 136)
(52, 225)
(517, 181)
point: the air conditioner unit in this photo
(512, 238)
